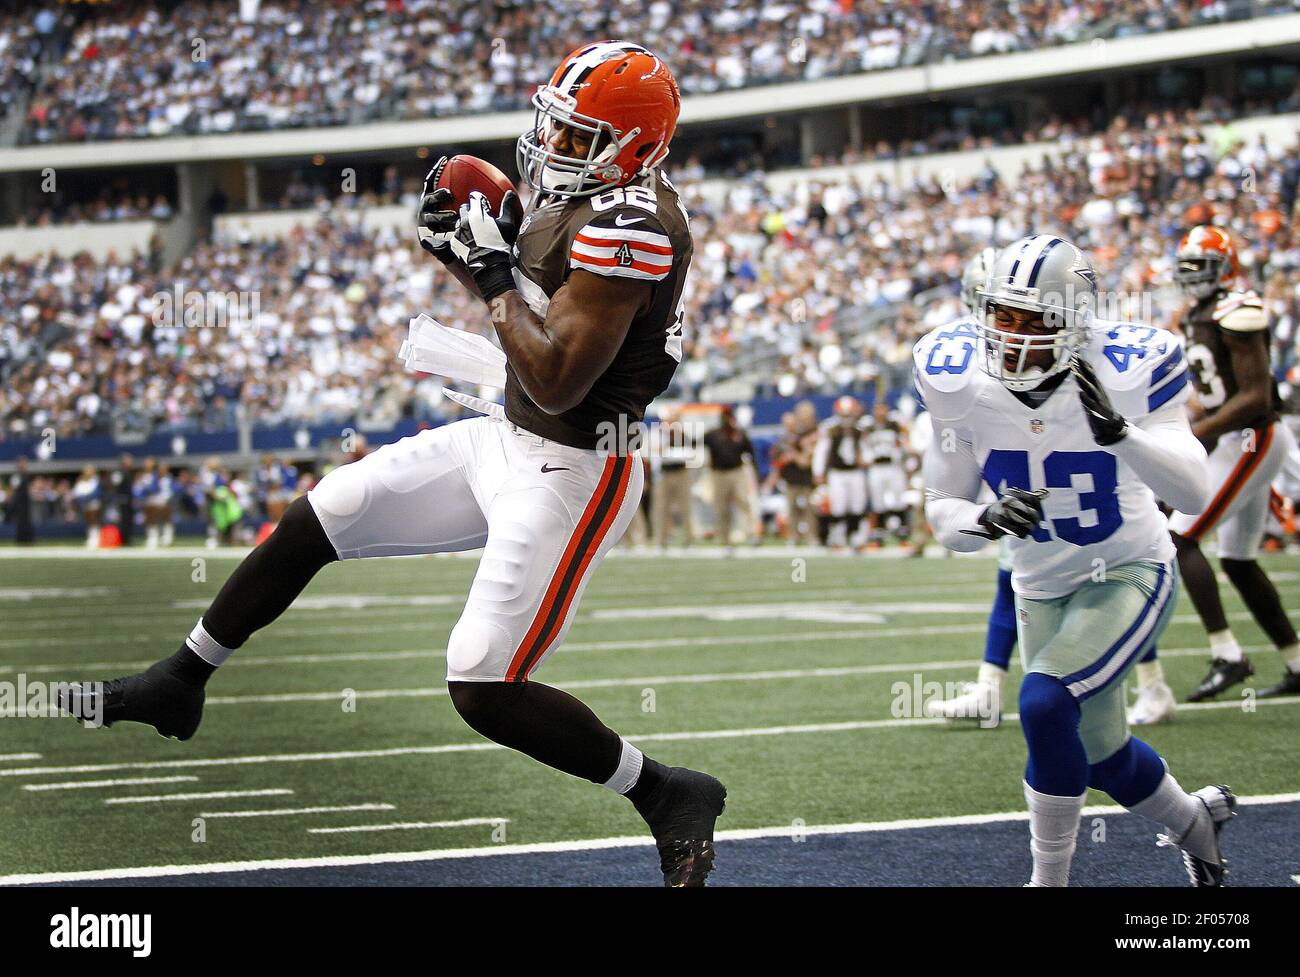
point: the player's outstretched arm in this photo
(558, 358)
(1163, 452)
(952, 483)
(1160, 447)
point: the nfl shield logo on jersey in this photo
(1036, 426)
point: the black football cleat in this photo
(681, 815)
(1206, 866)
(155, 697)
(1222, 676)
(1290, 685)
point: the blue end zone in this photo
(1260, 846)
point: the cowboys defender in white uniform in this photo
(981, 700)
(1073, 425)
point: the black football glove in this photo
(1108, 425)
(484, 242)
(1017, 513)
(436, 218)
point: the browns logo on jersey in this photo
(640, 232)
(1238, 311)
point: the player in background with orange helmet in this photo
(839, 463)
(1227, 347)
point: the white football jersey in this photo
(1098, 513)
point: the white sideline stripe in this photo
(123, 782)
(287, 811)
(409, 826)
(19, 756)
(536, 848)
(712, 734)
(209, 795)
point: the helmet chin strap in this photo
(553, 180)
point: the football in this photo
(462, 175)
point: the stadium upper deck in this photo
(146, 69)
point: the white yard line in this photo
(9, 757)
(209, 795)
(279, 812)
(690, 641)
(122, 782)
(809, 635)
(715, 734)
(449, 607)
(700, 552)
(409, 826)
(590, 844)
(690, 678)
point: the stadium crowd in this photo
(821, 288)
(142, 69)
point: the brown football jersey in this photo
(1204, 325)
(640, 232)
(842, 444)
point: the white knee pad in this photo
(478, 650)
(342, 493)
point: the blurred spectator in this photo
(731, 461)
(135, 69)
(672, 488)
(18, 504)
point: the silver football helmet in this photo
(975, 276)
(1045, 274)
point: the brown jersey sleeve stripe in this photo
(583, 544)
(1238, 477)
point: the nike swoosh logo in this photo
(547, 469)
(619, 222)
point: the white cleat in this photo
(1155, 704)
(980, 701)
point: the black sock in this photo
(1202, 588)
(188, 667)
(1260, 596)
(542, 722)
(271, 577)
(653, 773)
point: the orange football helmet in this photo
(847, 406)
(619, 95)
(1206, 261)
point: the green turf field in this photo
(790, 667)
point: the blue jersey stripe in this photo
(1161, 371)
(1163, 395)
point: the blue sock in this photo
(1049, 717)
(1001, 637)
(1130, 775)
